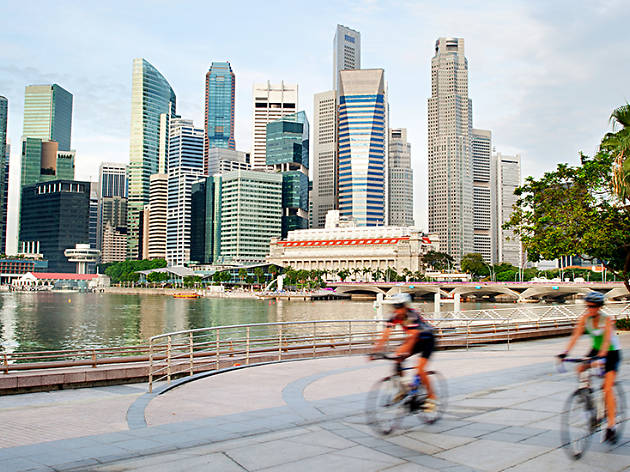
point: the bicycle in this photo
(391, 399)
(585, 410)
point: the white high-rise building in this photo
(324, 165)
(221, 160)
(156, 230)
(449, 139)
(507, 170)
(185, 166)
(400, 182)
(271, 102)
(483, 197)
(346, 52)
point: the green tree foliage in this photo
(158, 277)
(260, 274)
(437, 260)
(474, 264)
(573, 211)
(126, 271)
(618, 144)
(343, 274)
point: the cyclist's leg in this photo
(612, 363)
(426, 346)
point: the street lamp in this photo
(490, 269)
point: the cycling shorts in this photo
(612, 359)
(424, 346)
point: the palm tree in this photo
(355, 271)
(378, 274)
(366, 271)
(619, 144)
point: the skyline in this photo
(527, 64)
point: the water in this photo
(48, 320)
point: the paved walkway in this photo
(308, 415)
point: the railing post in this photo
(314, 337)
(247, 348)
(93, 358)
(190, 345)
(150, 365)
(508, 341)
(5, 362)
(168, 360)
(349, 337)
(280, 343)
(217, 364)
(467, 333)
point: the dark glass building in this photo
(4, 171)
(205, 224)
(219, 114)
(56, 214)
(287, 152)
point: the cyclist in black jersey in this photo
(419, 339)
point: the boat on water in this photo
(186, 295)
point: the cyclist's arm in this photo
(603, 350)
(405, 348)
(378, 347)
(577, 332)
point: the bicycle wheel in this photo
(578, 423)
(440, 388)
(385, 406)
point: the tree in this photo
(343, 274)
(437, 260)
(574, 211)
(260, 274)
(377, 274)
(391, 275)
(618, 144)
(242, 274)
(473, 263)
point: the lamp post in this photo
(490, 269)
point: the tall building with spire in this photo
(153, 103)
(449, 140)
(219, 112)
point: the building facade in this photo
(219, 113)
(449, 141)
(346, 52)
(156, 216)
(56, 215)
(185, 166)
(205, 225)
(4, 172)
(483, 198)
(287, 154)
(48, 114)
(271, 102)
(112, 212)
(153, 103)
(224, 160)
(334, 249)
(508, 178)
(324, 194)
(362, 136)
(400, 181)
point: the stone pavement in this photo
(308, 415)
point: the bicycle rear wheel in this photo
(385, 405)
(578, 423)
(440, 388)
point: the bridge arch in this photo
(554, 291)
(492, 290)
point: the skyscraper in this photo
(508, 178)
(271, 102)
(362, 135)
(483, 238)
(224, 160)
(219, 115)
(156, 228)
(42, 161)
(346, 52)
(112, 212)
(287, 153)
(185, 166)
(48, 114)
(400, 193)
(153, 103)
(324, 165)
(4, 171)
(449, 140)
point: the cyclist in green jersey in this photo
(601, 328)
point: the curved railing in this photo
(188, 352)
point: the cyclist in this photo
(419, 339)
(601, 328)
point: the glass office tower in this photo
(287, 153)
(4, 171)
(362, 142)
(48, 114)
(219, 115)
(152, 106)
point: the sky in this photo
(544, 76)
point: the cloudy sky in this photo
(544, 75)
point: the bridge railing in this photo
(188, 352)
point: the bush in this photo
(623, 324)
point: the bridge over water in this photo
(518, 291)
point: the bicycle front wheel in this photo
(439, 403)
(385, 406)
(578, 423)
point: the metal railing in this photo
(188, 352)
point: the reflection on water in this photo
(46, 320)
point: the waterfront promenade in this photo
(308, 415)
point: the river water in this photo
(48, 320)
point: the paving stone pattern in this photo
(309, 416)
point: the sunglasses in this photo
(398, 306)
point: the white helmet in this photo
(399, 299)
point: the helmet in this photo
(399, 299)
(594, 297)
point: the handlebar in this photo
(576, 360)
(383, 355)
